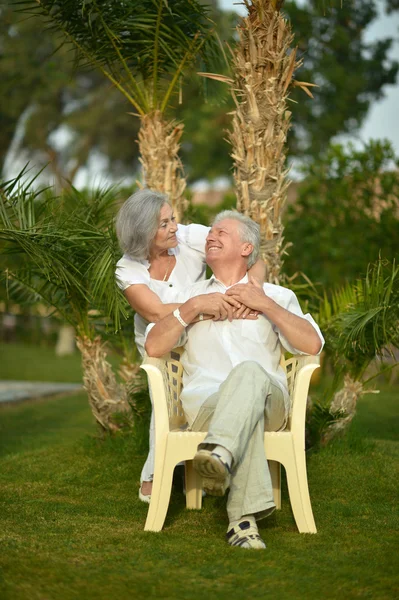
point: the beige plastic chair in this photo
(173, 444)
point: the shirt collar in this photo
(214, 279)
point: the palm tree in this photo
(360, 322)
(144, 48)
(263, 65)
(61, 251)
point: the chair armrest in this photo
(307, 365)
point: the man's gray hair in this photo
(137, 222)
(249, 231)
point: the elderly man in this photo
(234, 387)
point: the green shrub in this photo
(346, 214)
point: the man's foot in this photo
(145, 491)
(215, 473)
(245, 535)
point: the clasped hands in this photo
(241, 301)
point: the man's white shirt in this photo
(214, 348)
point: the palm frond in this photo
(25, 290)
(105, 293)
(361, 320)
(137, 44)
(62, 251)
(318, 421)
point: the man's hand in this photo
(251, 294)
(219, 306)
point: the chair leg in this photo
(193, 486)
(160, 497)
(275, 474)
(299, 492)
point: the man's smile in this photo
(213, 247)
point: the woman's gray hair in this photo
(137, 222)
(249, 231)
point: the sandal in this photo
(245, 535)
(214, 472)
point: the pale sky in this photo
(382, 120)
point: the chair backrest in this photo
(173, 377)
(291, 368)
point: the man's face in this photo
(223, 243)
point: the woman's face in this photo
(165, 236)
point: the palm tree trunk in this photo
(108, 398)
(263, 65)
(344, 402)
(159, 142)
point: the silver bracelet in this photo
(176, 313)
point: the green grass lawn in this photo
(72, 525)
(39, 363)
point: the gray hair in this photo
(249, 231)
(137, 222)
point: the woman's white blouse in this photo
(190, 267)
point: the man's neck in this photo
(229, 275)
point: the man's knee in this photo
(275, 411)
(251, 368)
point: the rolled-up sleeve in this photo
(130, 272)
(290, 303)
(180, 342)
(194, 236)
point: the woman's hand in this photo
(239, 313)
(244, 312)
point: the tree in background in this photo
(351, 71)
(205, 112)
(143, 47)
(263, 65)
(346, 213)
(43, 93)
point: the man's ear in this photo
(247, 249)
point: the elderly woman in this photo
(160, 258)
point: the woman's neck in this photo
(158, 253)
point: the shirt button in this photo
(171, 285)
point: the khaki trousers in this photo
(246, 404)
